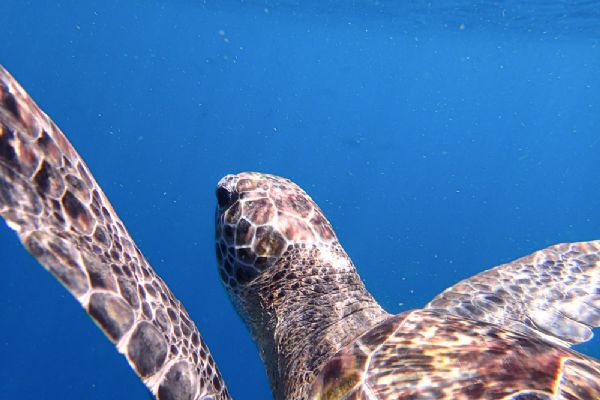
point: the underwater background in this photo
(440, 138)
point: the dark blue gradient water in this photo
(440, 141)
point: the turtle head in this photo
(288, 277)
(259, 217)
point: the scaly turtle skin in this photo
(50, 198)
(502, 334)
(289, 278)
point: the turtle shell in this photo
(430, 355)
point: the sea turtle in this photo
(502, 334)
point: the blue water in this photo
(440, 141)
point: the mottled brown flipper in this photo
(49, 197)
(553, 293)
(424, 354)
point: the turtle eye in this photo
(225, 198)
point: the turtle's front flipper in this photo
(49, 197)
(553, 293)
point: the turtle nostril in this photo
(225, 198)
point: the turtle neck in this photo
(302, 311)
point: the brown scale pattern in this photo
(553, 293)
(48, 195)
(301, 311)
(260, 217)
(427, 355)
(289, 278)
